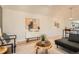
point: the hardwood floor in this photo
(29, 48)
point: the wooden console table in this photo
(31, 35)
(32, 38)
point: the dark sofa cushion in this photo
(73, 46)
(74, 37)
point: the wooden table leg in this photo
(37, 50)
(27, 40)
(14, 46)
(46, 51)
(38, 38)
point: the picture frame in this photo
(32, 24)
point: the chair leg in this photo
(12, 48)
(57, 46)
(15, 49)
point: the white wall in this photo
(13, 23)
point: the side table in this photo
(45, 46)
(3, 49)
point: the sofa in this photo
(71, 43)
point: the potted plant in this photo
(43, 39)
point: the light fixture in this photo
(71, 11)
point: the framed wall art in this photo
(32, 24)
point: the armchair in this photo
(10, 40)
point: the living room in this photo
(31, 23)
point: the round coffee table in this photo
(3, 49)
(44, 45)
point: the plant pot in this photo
(42, 42)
